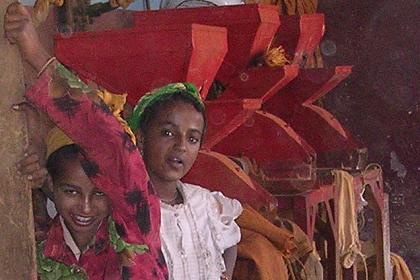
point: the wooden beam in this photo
(380, 207)
(17, 254)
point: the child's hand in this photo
(31, 168)
(19, 30)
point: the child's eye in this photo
(167, 133)
(194, 140)
(70, 192)
(98, 193)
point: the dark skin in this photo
(81, 205)
(19, 30)
(170, 147)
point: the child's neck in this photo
(167, 191)
(83, 241)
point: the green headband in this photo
(159, 94)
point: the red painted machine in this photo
(268, 141)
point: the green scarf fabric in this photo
(161, 94)
(49, 269)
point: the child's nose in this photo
(180, 143)
(86, 205)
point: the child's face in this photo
(79, 202)
(172, 141)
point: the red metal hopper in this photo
(231, 179)
(223, 117)
(251, 28)
(260, 82)
(138, 60)
(300, 35)
(294, 104)
(282, 156)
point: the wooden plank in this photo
(383, 254)
(17, 253)
(379, 203)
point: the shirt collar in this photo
(68, 238)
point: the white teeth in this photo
(83, 220)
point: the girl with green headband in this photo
(198, 229)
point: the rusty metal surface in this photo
(17, 254)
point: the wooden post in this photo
(17, 250)
(378, 202)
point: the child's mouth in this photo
(175, 162)
(82, 221)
